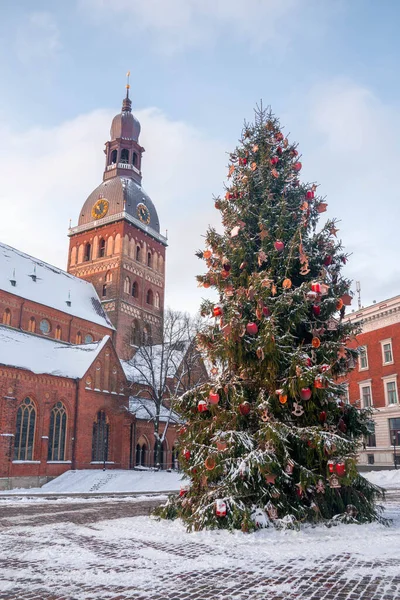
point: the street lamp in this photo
(105, 453)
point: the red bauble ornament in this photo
(320, 383)
(252, 328)
(342, 426)
(213, 398)
(226, 266)
(316, 310)
(244, 408)
(331, 466)
(274, 160)
(186, 454)
(305, 393)
(202, 406)
(310, 195)
(266, 312)
(297, 166)
(327, 261)
(308, 362)
(220, 508)
(182, 492)
(316, 287)
(341, 469)
(217, 311)
(279, 245)
(294, 152)
(279, 150)
(322, 416)
(242, 161)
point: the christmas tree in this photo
(271, 439)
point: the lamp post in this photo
(105, 452)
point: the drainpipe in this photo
(73, 462)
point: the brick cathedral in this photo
(64, 395)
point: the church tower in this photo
(117, 244)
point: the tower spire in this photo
(127, 103)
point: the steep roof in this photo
(145, 410)
(42, 283)
(42, 355)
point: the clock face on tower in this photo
(100, 208)
(143, 213)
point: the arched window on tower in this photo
(102, 248)
(124, 156)
(149, 259)
(149, 297)
(108, 277)
(127, 285)
(135, 333)
(134, 159)
(32, 325)
(157, 300)
(87, 252)
(7, 317)
(113, 157)
(146, 334)
(138, 253)
(57, 433)
(135, 289)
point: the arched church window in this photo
(97, 376)
(124, 156)
(102, 248)
(57, 333)
(135, 333)
(127, 285)
(57, 432)
(135, 289)
(87, 252)
(32, 325)
(149, 259)
(113, 158)
(100, 437)
(25, 431)
(157, 300)
(138, 253)
(88, 338)
(108, 277)
(149, 297)
(45, 326)
(7, 317)
(78, 338)
(141, 455)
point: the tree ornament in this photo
(334, 482)
(341, 469)
(332, 325)
(274, 160)
(265, 416)
(262, 257)
(213, 397)
(328, 260)
(210, 463)
(287, 284)
(242, 161)
(186, 454)
(315, 342)
(289, 466)
(297, 166)
(182, 492)
(322, 416)
(221, 445)
(275, 173)
(253, 166)
(235, 231)
(270, 478)
(310, 195)
(320, 382)
(202, 406)
(225, 274)
(331, 466)
(346, 299)
(244, 408)
(279, 136)
(320, 487)
(220, 508)
(279, 245)
(252, 328)
(316, 310)
(272, 511)
(260, 353)
(217, 310)
(321, 207)
(266, 312)
(254, 148)
(207, 254)
(283, 398)
(316, 287)
(351, 510)
(305, 393)
(311, 296)
(298, 410)
(342, 426)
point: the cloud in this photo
(37, 38)
(49, 172)
(180, 24)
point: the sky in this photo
(198, 67)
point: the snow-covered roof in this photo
(152, 365)
(46, 356)
(145, 409)
(40, 282)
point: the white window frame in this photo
(360, 368)
(383, 343)
(364, 384)
(386, 380)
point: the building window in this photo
(362, 358)
(104, 290)
(146, 334)
(141, 455)
(127, 285)
(78, 338)
(394, 431)
(102, 248)
(97, 377)
(157, 300)
(32, 325)
(108, 277)
(149, 297)
(87, 252)
(138, 253)
(134, 159)
(113, 159)
(366, 396)
(391, 392)
(135, 289)
(135, 333)
(25, 431)
(124, 156)
(57, 433)
(387, 354)
(100, 437)
(370, 439)
(88, 339)
(7, 317)
(371, 459)
(44, 326)
(57, 333)
(149, 259)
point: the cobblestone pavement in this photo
(96, 551)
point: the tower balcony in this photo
(126, 166)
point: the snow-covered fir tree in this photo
(271, 439)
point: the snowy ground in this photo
(93, 481)
(140, 558)
(389, 479)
